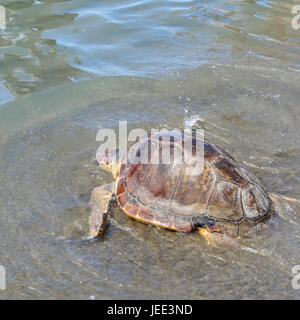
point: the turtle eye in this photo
(102, 159)
(255, 202)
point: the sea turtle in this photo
(222, 198)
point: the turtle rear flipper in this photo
(100, 204)
(282, 205)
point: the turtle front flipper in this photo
(100, 204)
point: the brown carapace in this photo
(220, 197)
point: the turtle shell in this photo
(218, 194)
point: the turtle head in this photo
(110, 161)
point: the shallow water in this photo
(68, 68)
